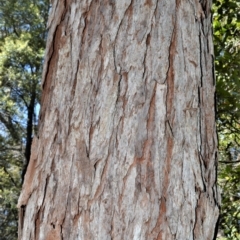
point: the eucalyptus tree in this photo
(127, 143)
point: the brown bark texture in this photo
(127, 143)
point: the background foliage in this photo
(22, 42)
(226, 24)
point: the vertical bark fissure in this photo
(118, 70)
(37, 225)
(156, 7)
(83, 34)
(118, 92)
(65, 10)
(51, 50)
(200, 56)
(74, 73)
(21, 214)
(45, 189)
(202, 166)
(145, 55)
(68, 202)
(61, 232)
(168, 131)
(100, 187)
(146, 153)
(169, 56)
(147, 181)
(48, 79)
(200, 104)
(169, 102)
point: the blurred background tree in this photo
(226, 24)
(22, 42)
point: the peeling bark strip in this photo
(127, 140)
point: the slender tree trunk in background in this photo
(127, 144)
(29, 128)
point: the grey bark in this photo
(127, 142)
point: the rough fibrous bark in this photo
(127, 144)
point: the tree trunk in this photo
(127, 143)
